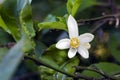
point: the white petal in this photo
(72, 52)
(86, 37)
(83, 52)
(72, 27)
(86, 45)
(63, 44)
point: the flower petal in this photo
(86, 45)
(72, 27)
(63, 44)
(83, 52)
(72, 52)
(86, 37)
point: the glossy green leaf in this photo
(73, 6)
(59, 59)
(3, 25)
(60, 55)
(8, 18)
(114, 43)
(26, 21)
(68, 67)
(52, 25)
(11, 61)
(54, 58)
(108, 68)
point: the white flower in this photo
(76, 42)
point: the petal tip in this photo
(86, 57)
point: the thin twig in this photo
(94, 70)
(39, 62)
(8, 45)
(92, 20)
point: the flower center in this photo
(74, 42)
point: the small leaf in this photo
(52, 25)
(3, 25)
(73, 6)
(11, 60)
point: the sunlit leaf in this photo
(3, 25)
(60, 55)
(11, 60)
(29, 45)
(73, 6)
(9, 23)
(26, 21)
(52, 25)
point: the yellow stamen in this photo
(74, 42)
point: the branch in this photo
(8, 45)
(94, 70)
(39, 62)
(92, 20)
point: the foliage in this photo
(29, 31)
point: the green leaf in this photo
(26, 20)
(108, 68)
(114, 43)
(54, 58)
(73, 6)
(3, 25)
(11, 61)
(59, 59)
(52, 25)
(68, 67)
(60, 55)
(8, 18)
(29, 45)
